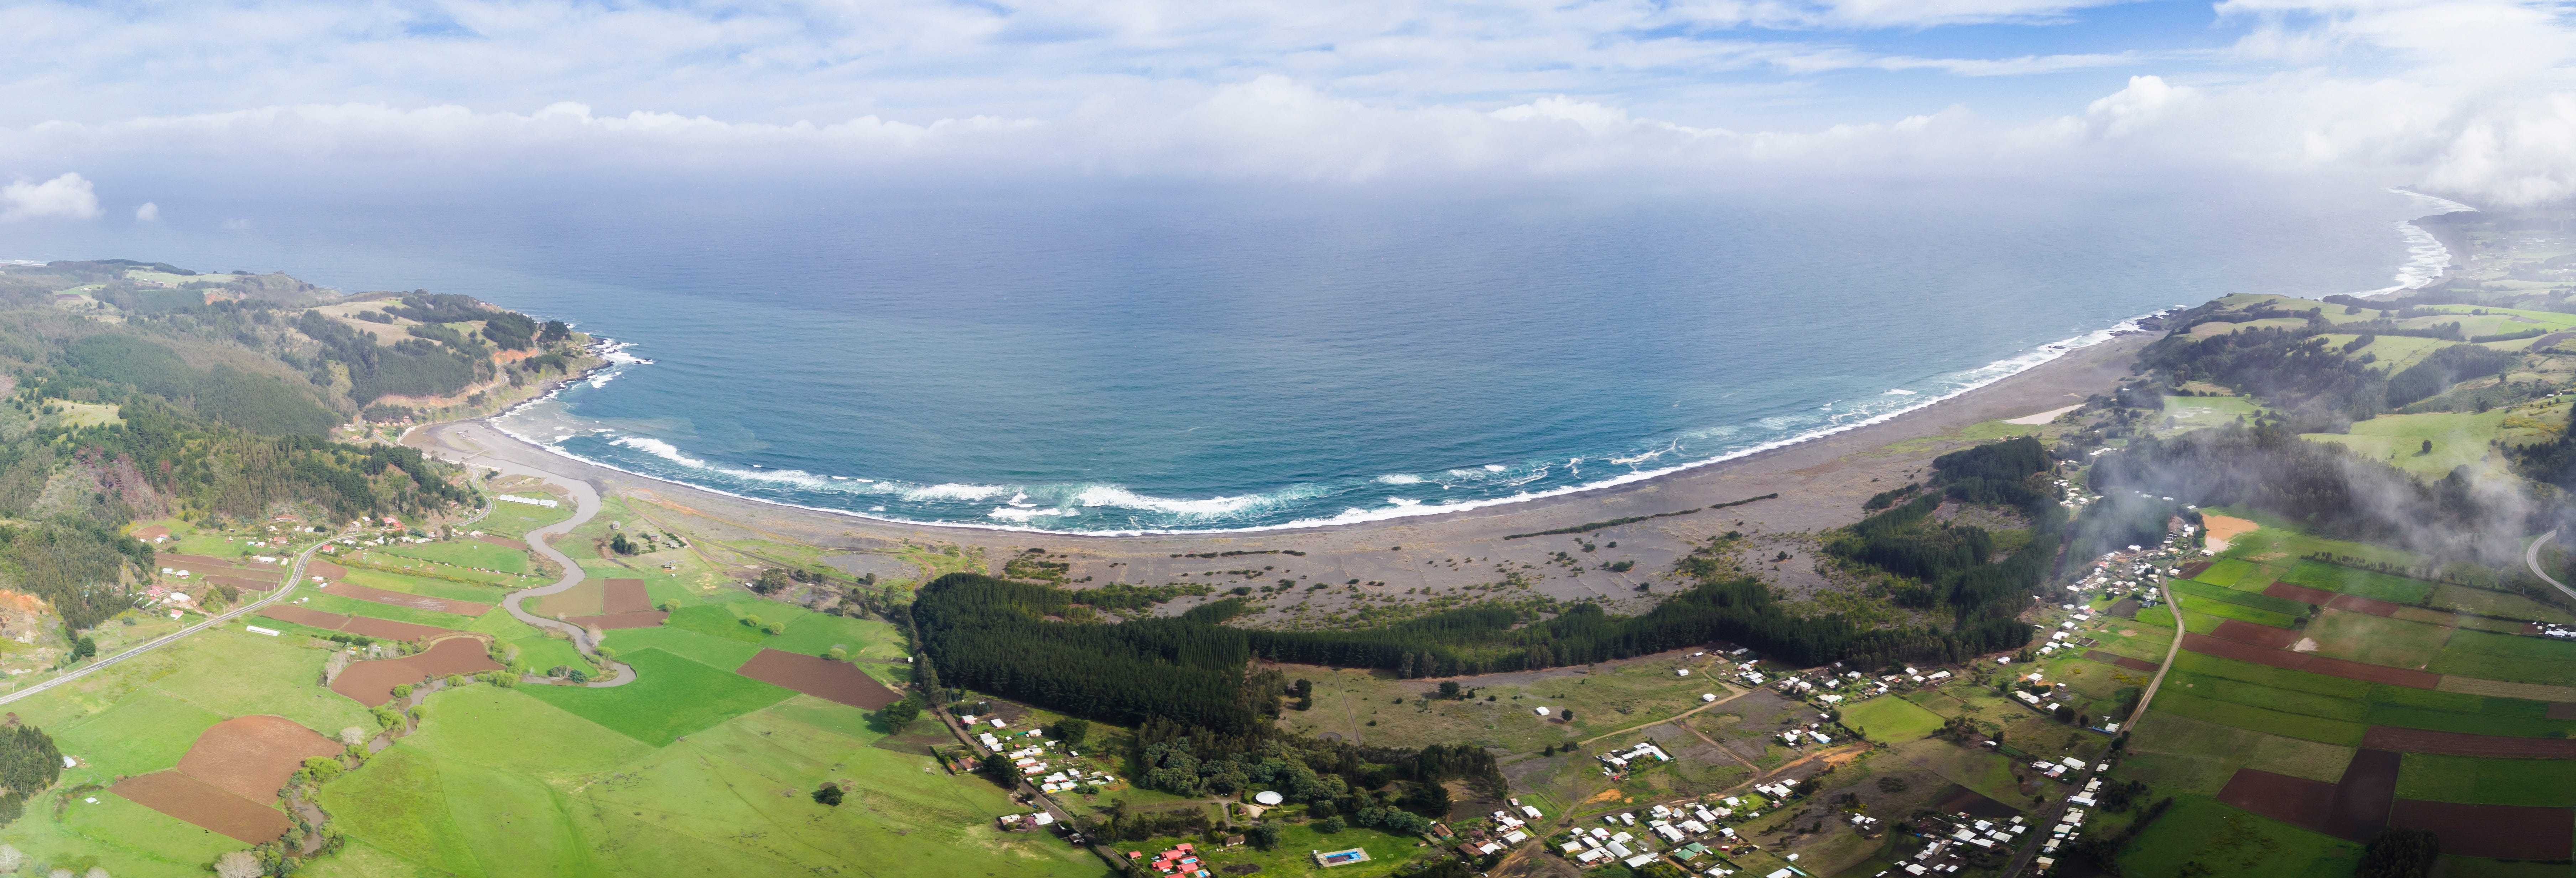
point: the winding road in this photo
(585, 507)
(2531, 557)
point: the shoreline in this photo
(1820, 482)
(2045, 354)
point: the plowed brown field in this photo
(372, 682)
(819, 677)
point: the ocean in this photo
(1130, 358)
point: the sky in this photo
(104, 105)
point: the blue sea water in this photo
(1134, 358)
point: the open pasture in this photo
(2358, 583)
(2376, 640)
(2226, 842)
(671, 696)
(471, 553)
(2511, 658)
(1890, 719)
(2548, 783)
(2459, 439)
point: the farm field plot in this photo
(2491, 656)
(2335, 667)
(2358, 583)
(2376, 640)
(2494, 603)
(534, 647)
(466, 553)
(2187, 413)
(821, 678)
(2225, 572)
(371, 683)
(1891, 719)
(2198, 756)
(2226, 841)
(582, 599)
(374, 558)
(2281, 542)
(716, 652)
(406, 599)
(1987, 773)
(670, 697)
(119, 835)
(2260, 719)
(517, 519)
(817, 633)
(716, 620)
(423, 586)
(145, 732)
(2193, 604)
(2535, 782)
(2251, 599)
(349, 606)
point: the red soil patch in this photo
(155, 532)
(399, 599)
(252, 756)
(326, 569)
(2562, 710)
(2465, 744)
(2511, 832)
(2353, 808)
(624, 596)
(2333, 600)
(206, 805)
(2363, 796)
(504, 542)
(2297, 801)
(2133, 664)
(383, 629)
(2259, 635)
(822, 678)
(2195, 568)
(2297, 661)
(372, 683)
(387, 629)
(241, 583)
(617, 621)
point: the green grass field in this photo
(1891, 720)
(1983, 771)
(2232, 610)
(515, 520)
(2278, 607)
(2493, 603)
(2507, 657)
(426, 586)
(466, 553)
(2180, 754)
(144, 733)
(2377, 640)
(535, 648)
(2187, 413)
(714, 652)
(2224, 841)
(719, 621)
(2459, 439)
(2359, 583)
(816, 633)
(671, 696)
(2225, 572)
(2543, 783)
(2260, 719)
(331, 603)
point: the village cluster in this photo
(1033, 754)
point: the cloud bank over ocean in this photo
(2466, 98)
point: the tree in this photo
(237, 864)
(554, 331)
(998, 769)
(323, 769)
(2428, 446)
(837, 654)
(829, 794)
(1449, 689)
(668, 606)
(899, 714)
(2400, 853)
(84, 648)
(578, 675)
(772, 580)
(1332, 825)
(1072, 731)
(1263, 837)
(621, 545)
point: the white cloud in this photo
(64, 197)
(148, 213)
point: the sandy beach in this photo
(1821, 484)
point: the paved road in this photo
(585, 507)
(294, 578)
(2531, 557)
(2171, 652)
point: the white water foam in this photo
(1399, 479)
(2426, 259)
(1098, 496)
